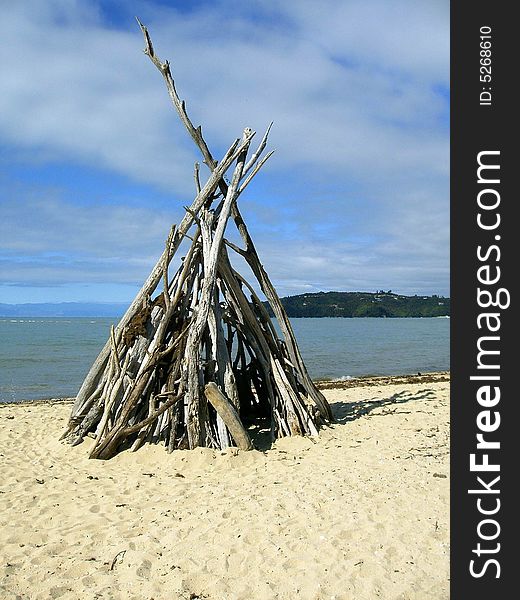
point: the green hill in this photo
(365, 304)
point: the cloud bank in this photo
(356, 196)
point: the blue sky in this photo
(95, 165)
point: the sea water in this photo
(49, 357)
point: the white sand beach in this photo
(361, 512)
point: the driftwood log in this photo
(196, 358)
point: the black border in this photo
(476, 128)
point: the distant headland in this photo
(365, 304)
(316, 304)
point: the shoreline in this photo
(378, 380)
(321, 384)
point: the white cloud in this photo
(354, 88)
(78, 91)
(54, 242)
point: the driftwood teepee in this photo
(196, 358)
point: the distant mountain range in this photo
(320, 304)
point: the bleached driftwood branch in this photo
(192, 364)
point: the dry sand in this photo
(362, 512)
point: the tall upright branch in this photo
(251, 254)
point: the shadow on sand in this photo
(345, 412)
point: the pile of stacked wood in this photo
(196, 359)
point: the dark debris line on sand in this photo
(363, 381)
(378, 380)
(67, 400)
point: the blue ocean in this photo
(49, 357)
